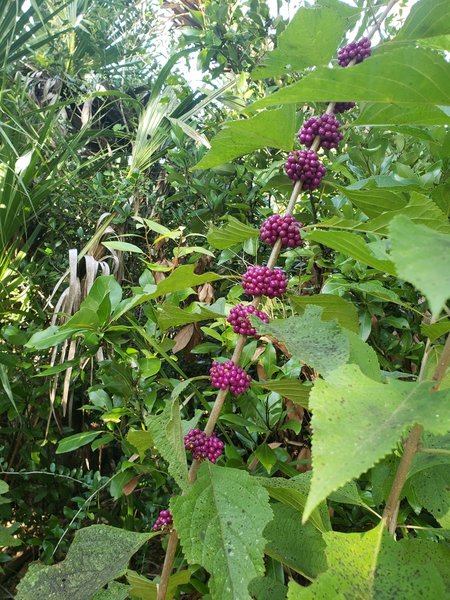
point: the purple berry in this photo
(340, 107)
(228, 374)
(326, 127)
(164, 521)
(357, 51)
(305, 166)
(239, 319)
(202, 446)
(258, 281)
(286, 228)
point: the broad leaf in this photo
(353, 245)
(123, 247)
(220, 522)
(427, 75)
(272, 129)
(374, 567)
(170, 315)
(290, 388)
(71, 443)
(401, 114)
(322, 345)
(266, 588)
(234, 232)
(294, 49)
(422, 257)
(428, 18)
(299, 547)
(374, 202)
(114, 591)
(145, 589)
(436, 330)
(97, 555)
(334, 307)
(167, 435)
(141, 440)
(431, 489)
(357, 421)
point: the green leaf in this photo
(273, 129)
(266, 457)
(294, 493)
(368, 418)
(295, 52)
(97, 555)
(405, 75)
(266, 588)
(321, 345)
(4, 487)
(431, 489)
(234, 232)
(168, 438)
(141, 440)
(105, 286)
(422, 257)
(71, 443)
(401, 114)
(374, 567)
(7, 540)
(364, 356)
(334, 307)
(427, 18)
(347, 494)
(123, 247)
(293, 389)
(145, 589)
(52, 336)
(374, 202)
(182, 278)
(299, 547)
(170, 315)
(352, 244)
(220, 522)
(115, 591)
(436, 330)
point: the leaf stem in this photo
(410, 448)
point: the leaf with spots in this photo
(431, 489)
(97, 555)
(167, 433)
(357, 421)
(372, 566)
(220, 522)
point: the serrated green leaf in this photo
(412, 248)
(319, 344)
(294, 51)
(293, 389)
(141, 440)
(371, 566)
(427, 18)
(272, 129)
(220, 522)
(406, 75)
(234, 232)
(167, 435)
(364, 356)
(367, 418)
(374, 202)
(266, 588)
(347, 494)
(431, 488)
(334, 307)
(299, 547)
(353, 245)
(97, 555)
(401, 114)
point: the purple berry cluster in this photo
(355, 50)
(326, 127)
(258, 281)
(164, 521)
(340, 107)
(239, 319)
(286, 228)
(228, 374)
(305, 166)
(202, 446)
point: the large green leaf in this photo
(220, 522)
(267, 588)
(374, 202)
(234, 232)
(422, 257)
(322, 345)
(353, 245)
(299, 547)
(428, 18)
(170, 315)
(405, 75)
(357, 421)
(334, 307)
(371, 566)
(431, 489)
(97, 555)
(294, 49)
(145, 589)
(288, 387)
(401, 114)
(71, 443)
(167, 434)
(273, 129)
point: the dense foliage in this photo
(224, 339)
